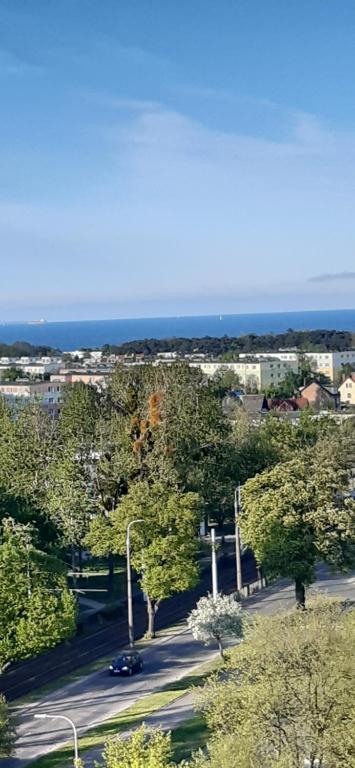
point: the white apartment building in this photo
(40, 369)
(47, 394)
(254, 374)
(330, 363)
(285, 357)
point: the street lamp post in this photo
(214, 563)
(238, 558)
(67, 720)
(129, 583)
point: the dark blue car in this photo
(127, 664)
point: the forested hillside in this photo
(320, 340)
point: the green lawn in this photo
(188, 737)
(93, 582)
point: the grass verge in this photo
(95, 737)
(189, 737)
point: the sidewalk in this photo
(167, 718)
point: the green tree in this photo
(27, 448)
(172, 417)
(7, 729)
(112, 471)
(145, 748)
(259, 447)
(36, 608)
(288, 700)
(79, 414)
(164, 545)
(162, 424)
(70, 497)
(296, 513)
(225, 381)
(12, 374)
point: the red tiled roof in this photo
(283, 404)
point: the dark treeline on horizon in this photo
(25, 349)
(318, 340)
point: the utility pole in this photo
(129, 583)
(214, 563)
(238, 558)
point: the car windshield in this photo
(124, 660)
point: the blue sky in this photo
(162, 157)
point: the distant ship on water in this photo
(41, 321)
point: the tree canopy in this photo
(298, 512)
(145, 748)
(216, 618)
(36, 608)
(288, 695)
(7, 729)
(164, 544)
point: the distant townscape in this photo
(285, 373)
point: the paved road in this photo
(98, 697)
(25, 677)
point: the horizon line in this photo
(221, 315)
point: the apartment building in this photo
(285, 357)
(31, 366)
(40, 369)
(47, 394)
(330, 363)
(69, 376)
(255, 374)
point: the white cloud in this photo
(199, 212)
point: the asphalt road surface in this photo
(25, 677)
(98, 697)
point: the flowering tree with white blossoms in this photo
(216, 618)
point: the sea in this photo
(72, 335)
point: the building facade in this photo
(330, 363)
(47, 394)
(255, 374)
(347, 390)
